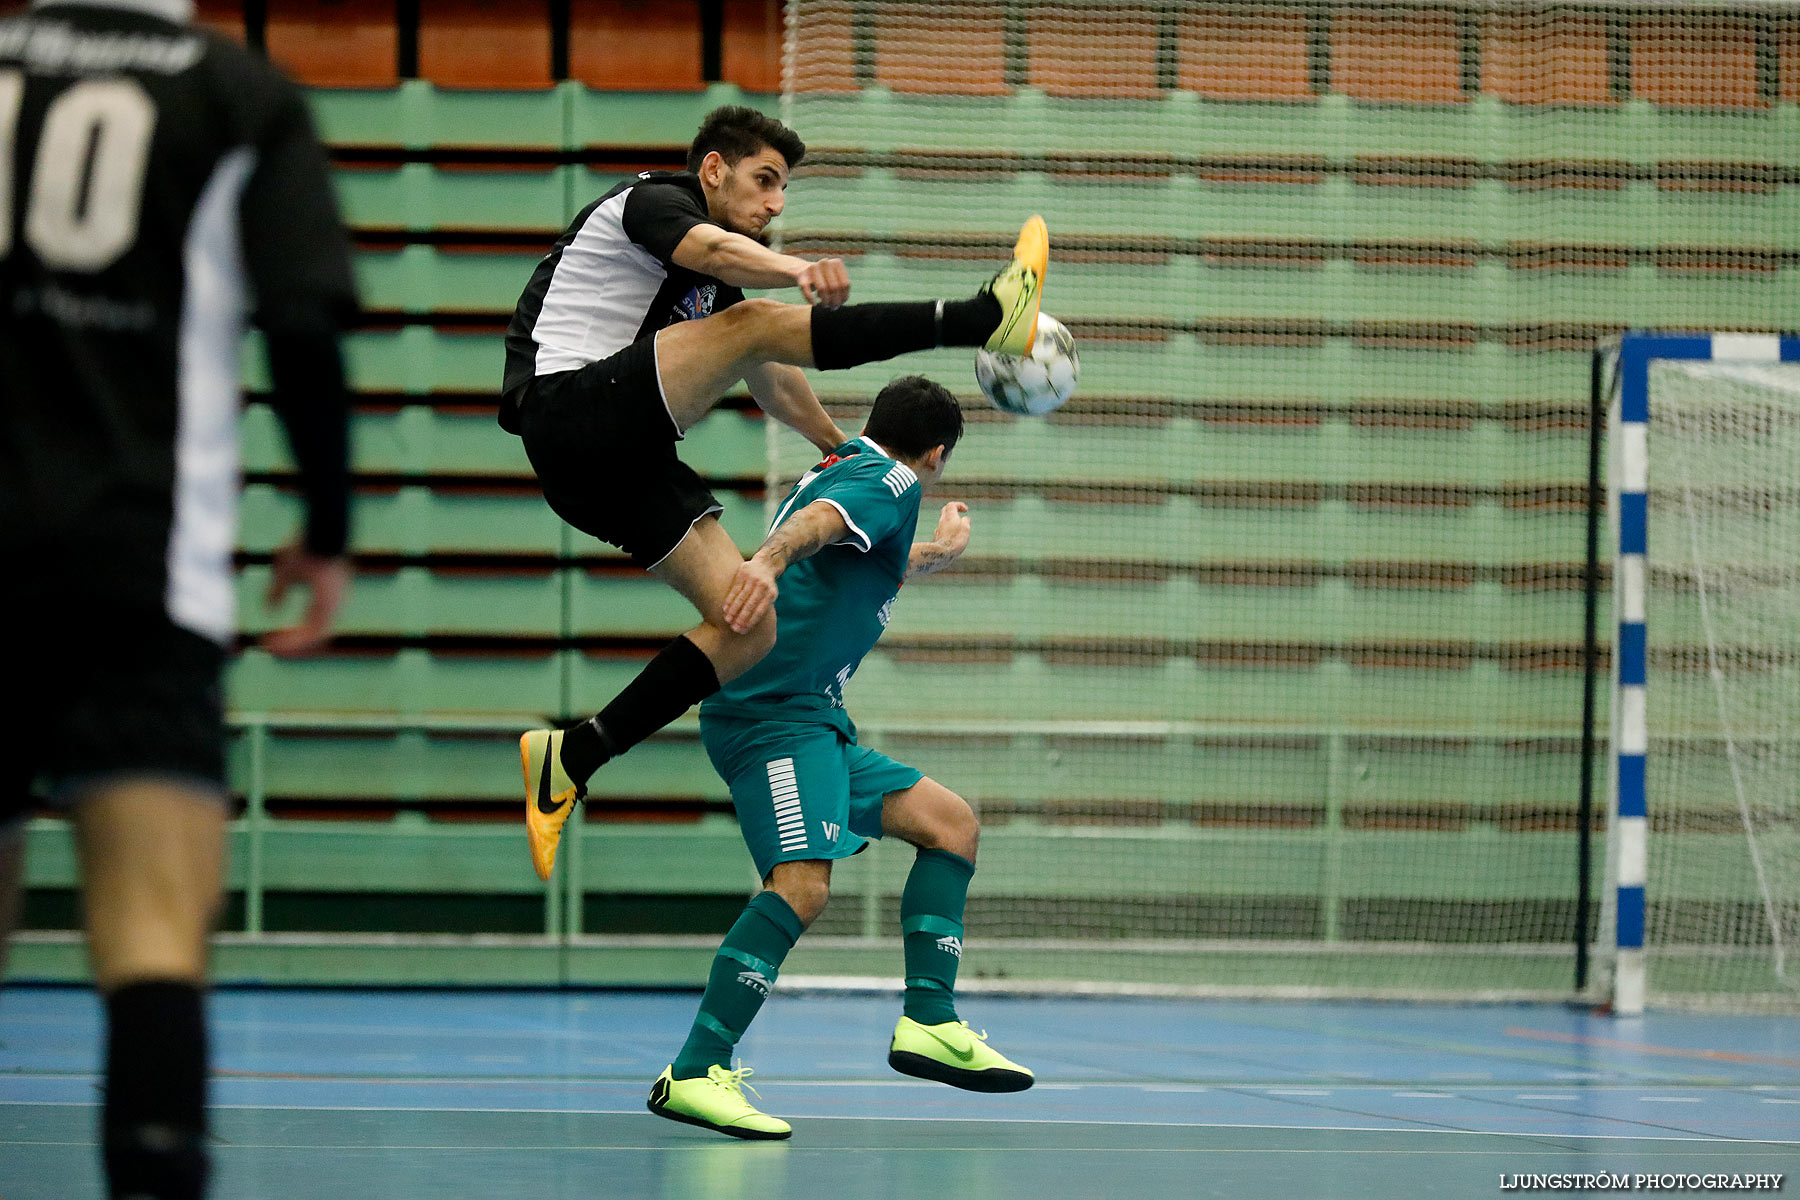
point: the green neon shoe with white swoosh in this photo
(715, 1101)
(953, 1053)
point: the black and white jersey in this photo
(609, 280)
(158, 185)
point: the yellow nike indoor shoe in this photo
(953, 1053)
(550, 795)
(716, 1102)
(1018, 288)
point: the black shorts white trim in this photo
(602, 441)
(114, 696)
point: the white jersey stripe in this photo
(214, 303)
(603, 285)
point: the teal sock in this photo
(742, 973)
(931, 917)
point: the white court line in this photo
(1668, 1099)
(637, 1112)
(1555, 1096)
(611, 1148)
(244, 1076)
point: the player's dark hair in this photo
(737, 132)
(912, 414)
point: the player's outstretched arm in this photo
(801, 536)
(784, 393)
(747, 263)
(945, 546)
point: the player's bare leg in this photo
(805, 885)
(930, 1041)
(152, 863)
(152, 867)
(932, 817)
(702, 567)
(699, 361)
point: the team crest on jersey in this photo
(698, 302)
(887, 612)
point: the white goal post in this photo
(1704, 769)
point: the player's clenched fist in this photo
(953, 527)
(825, 283)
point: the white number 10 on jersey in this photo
(87, 185)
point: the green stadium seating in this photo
(395, 683)
(421, 601)
(421, 196)
(417, 115)
(464, 439)
(1182, 610)
(1334, 128)
(1333, 368)
(417, 519)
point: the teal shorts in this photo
(802, 791)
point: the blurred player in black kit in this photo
(158, 186)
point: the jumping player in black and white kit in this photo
(158, 186)
(629, 332)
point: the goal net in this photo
(1721, 611)
(1264, 668)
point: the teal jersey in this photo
(831, 608)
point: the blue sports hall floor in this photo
(540, 1095)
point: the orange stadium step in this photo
(636, 45)
(346, 44)
(471, 44)
(222, 16)
(1398, 56)
(923, 52)
(1546, 58)
(1245, 54)
(750, 44)
(1694, 63)
(1078, 54)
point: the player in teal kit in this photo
(806, 793)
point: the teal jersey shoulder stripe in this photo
(832, 608)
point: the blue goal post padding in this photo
(1630, 740)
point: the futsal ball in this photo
(1035, 383)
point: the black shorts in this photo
(602, 441)
(105, 692)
